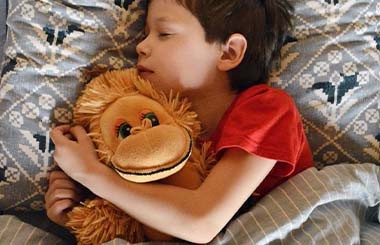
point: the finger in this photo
(65, 128)
(63, 184)
(58, 211)
(69, 136)
(57, 134)
(59, 194)
(80, 134)
(54, 175)
(54, 195)
(71, 184)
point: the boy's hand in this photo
(62, 195)
(76, 156)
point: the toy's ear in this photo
(233, 51)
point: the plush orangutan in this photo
(144, 135)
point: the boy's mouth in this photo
(141, 69)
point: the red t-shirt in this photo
(265, 121)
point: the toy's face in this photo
(146, 142)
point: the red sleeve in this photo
(264, 122)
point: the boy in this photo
(218, 54)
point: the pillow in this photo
(331, 66)
(3, 29)
(49, 45)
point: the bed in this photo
(331, 67)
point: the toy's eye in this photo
(152, 117)
(123, 131)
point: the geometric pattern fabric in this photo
(330, 66)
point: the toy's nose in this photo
(145, 124)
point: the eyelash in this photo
(117, 126)
(159, 34)
(163, 35)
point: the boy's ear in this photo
(233, 51)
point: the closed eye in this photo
(165, 35)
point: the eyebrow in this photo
(162, 19)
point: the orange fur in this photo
(96, 220)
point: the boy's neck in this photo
(210, 106)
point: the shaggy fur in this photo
(96, 220)
(105, 89)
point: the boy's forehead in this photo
(166, 1)
(162, 3)
(163, 10)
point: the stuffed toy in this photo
(144, 135)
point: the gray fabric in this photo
(315, 207)
(15, 231)
(32, 228)
(331, 68)
(49, 46)
(3, 30)
(330, 206)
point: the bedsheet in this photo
(335, 205)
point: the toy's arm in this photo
(192, 215)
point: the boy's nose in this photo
(142, 48)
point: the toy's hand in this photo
(62, 195)
(75, 156)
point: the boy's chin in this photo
(163, 85)
(148, 75)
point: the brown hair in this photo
(264, 23)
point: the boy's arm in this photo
(192, 215)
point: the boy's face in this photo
(175, 53)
